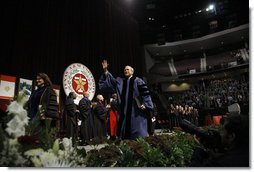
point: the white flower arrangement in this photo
(67, 144)
(16, 126)
(55, 157)
(12, 153)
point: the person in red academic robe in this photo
(113, 116)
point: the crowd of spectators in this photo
(209, 96)
(178, 113)
(217, 93)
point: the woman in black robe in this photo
(43, 111)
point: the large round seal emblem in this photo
(79, 79)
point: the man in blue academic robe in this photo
(134, 100)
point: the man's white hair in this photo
(99, 97)
(130, 68)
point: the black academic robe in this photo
(71, 123)
(86, 128)
(100, 116)
(46, 97)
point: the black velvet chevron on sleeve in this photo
(143, 90)
(52, 105)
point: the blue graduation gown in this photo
(132, 122)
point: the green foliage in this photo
(81, 152)
(161, 142)
(155, 151)
(3, 121)
(173, 150)
(127, 158)
(213, 127)
(33, 126)
(2, 138)
(105, 157)
(97, 140)
(43, 130)
(152, 156)
(47, 134)
(182, 146)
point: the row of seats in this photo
(212, 62)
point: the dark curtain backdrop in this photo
(49, 35)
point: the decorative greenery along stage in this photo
(155, 151)
(20, 147)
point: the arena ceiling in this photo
(166, 17)
(212, 41)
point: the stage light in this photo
(211, 7)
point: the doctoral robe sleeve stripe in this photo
(143, 88)
(52, 105)
(145, 94)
